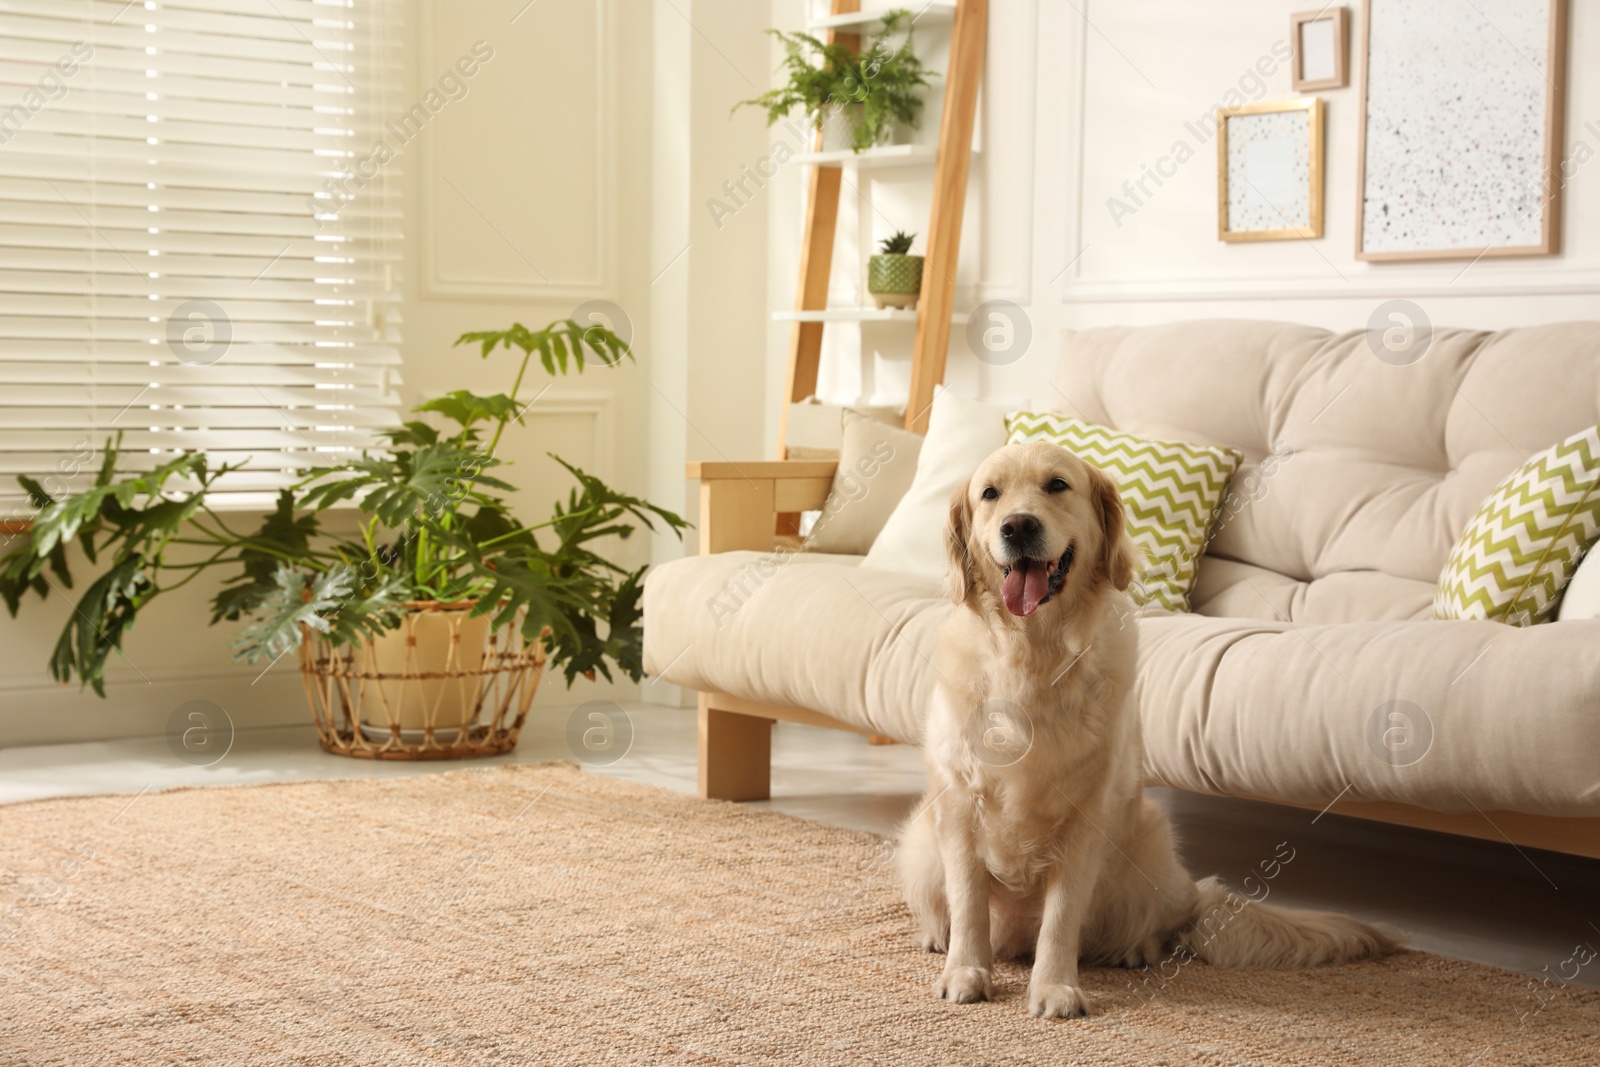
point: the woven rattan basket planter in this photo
(442, 686)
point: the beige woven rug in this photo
(541, 915)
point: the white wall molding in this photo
(1378, 284)
(121, 679)
(1010, 105)
(600, 407)
(1068, 131)
(487, 288)
(41, 712)
(1016, 292)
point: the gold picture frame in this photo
(1279, 161)
(1340, 78)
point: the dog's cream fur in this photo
(1035, 837)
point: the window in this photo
(185, 254)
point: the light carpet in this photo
(541, 915)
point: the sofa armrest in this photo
(742, 505)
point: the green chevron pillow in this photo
(1171, 493)
(1513, 560)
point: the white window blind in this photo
(184, 255)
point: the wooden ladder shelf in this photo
(935, 305)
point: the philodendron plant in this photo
(433, 525)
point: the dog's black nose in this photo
(1019, 529)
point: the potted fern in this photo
(857, 99)
(478, 598)
(894, 276)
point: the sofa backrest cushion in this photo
(1351, 463)
(876, 465)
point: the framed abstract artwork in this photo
(1269, 171)
(1461, 113)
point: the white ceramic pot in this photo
(839, 127)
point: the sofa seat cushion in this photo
(803, 630)
(1298, 713)
(1494, 716)
(1228, 588)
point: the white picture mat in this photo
(1269, 171)
(1318, 53)
(1455, 145)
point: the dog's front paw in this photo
(1057, 1001)
(964, 985)
(933, 942)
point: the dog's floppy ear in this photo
(958, 574)
(1118, 555)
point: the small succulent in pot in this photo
(894, 276)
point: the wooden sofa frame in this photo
(751, 506)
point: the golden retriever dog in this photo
(1035, 836)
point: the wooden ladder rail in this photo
(968, 38)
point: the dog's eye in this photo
(991, 493)
(1057, 485)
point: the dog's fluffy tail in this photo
(1230, 930)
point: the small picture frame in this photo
(1320, 40)
(1270, 171)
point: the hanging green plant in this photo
(876, 89)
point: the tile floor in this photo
(1470, 899)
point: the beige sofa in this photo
(1311, 628)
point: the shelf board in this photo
(923, 13)
(891, 155)
(857, 315)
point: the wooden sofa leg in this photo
(735, 754)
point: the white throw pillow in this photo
(1582, 597)
(961, 434)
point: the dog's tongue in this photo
(1024, 587)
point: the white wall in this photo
(709, 273)
(1082, 97)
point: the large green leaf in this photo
(366, 615)
(561, 345)
(526, 585)
(431, 480)
(100, 618)
(468, 408)
(296, 600)
(412, 433)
